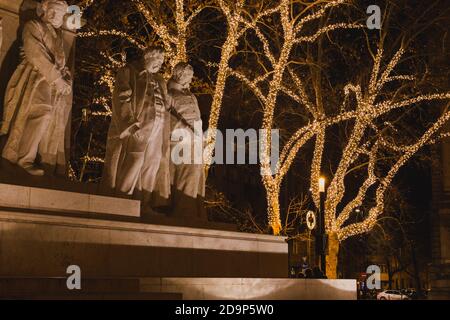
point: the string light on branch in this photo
(92, 159)
(112, 32)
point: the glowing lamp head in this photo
(321, 184)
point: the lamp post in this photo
(322, 240)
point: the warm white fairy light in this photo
(367, 112)
(386, 106)
(100, 100)
(234, 27)
(251, 84)
(112, 32)
(174, 42)
(440, 137)
(390, 67)
(114, 62)
(71, 173)
(401, 77)
(270, 183)
(222, 75)
(358, 200)
(316, 166)
(302, 94)
(264, 41)
(108, 78)
(375, 72)
(318, 14)
(104, 102)
(327, 29)
(92, 159)
(370, 221)
(85, 4)
(237, 25)
(181, 23)
(160, 29)
(101, 113)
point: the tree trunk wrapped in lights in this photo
(332, 255)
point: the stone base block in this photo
(253, 289)
(44, 245)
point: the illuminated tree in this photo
(271, 83)
(368, 113)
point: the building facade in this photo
(440, 224)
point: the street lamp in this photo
(322, 240)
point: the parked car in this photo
(411, 293)
(392, 295)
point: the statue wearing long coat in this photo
(187, 179)
(133, 159)
(35, 115)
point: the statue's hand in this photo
(67, 74)
(135, 129)
(131, 130)
(63, 87)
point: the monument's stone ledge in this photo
(133, 233)
(13, 196)
(44, 245)
(253, 289)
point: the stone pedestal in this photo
(44, 231)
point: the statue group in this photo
(146, 109)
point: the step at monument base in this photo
(179, 289)
(91, 289)
(253, 288)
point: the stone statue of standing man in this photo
(38, 99)
(186, 172)
(137, 144)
